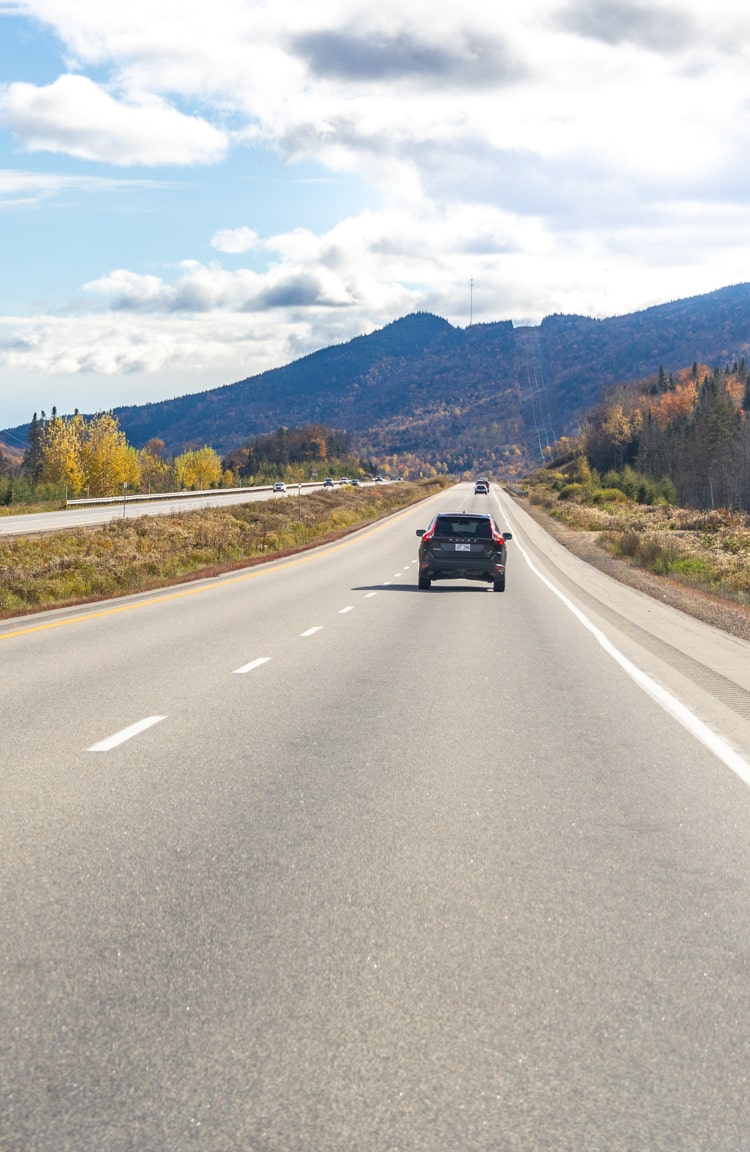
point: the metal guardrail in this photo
(145, 497)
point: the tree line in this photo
(691, 426)
(90, 456)
(296, 454)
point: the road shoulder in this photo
(710, 609)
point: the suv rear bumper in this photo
(464, 570)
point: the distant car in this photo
(279, 487)
(462, 546)
(344, 480)
(380, 480)
(328, 482)
(481, 488)
(355, 482)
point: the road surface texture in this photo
(304, 859)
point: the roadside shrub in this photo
(641, 488)
(609, 496)
(666, 491)
(624, 544)
(692, 567)
(573, 491)
(16, 490)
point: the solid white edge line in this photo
(251, 666)
(311, 631)
(710, 739)
(125, 734)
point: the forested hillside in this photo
(691, 426)
(584, 356)
(490, 396)
(418, 386)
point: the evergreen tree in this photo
(32, 457)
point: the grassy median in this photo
(135, 555)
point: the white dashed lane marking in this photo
(251, 666)
(142, 725)
(125, 734)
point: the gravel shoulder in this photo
(724, 614)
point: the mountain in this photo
(490, 395)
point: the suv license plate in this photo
(463, 547)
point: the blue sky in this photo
(192, 194)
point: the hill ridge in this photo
(457, 397)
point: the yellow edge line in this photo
(215, 583)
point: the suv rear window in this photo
(477, 527)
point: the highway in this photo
(303, 859)
(26, 524)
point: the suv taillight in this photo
(429, 534)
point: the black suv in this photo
(459, 545)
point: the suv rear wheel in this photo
(499, 584)
(425, 583)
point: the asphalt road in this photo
(80, 516)
(304, 859)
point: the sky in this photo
(194, 192)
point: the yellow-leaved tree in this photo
(60, 457)
(90, 456)
(198, 469)
(106, 457)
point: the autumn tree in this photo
(610, 433)
(107, 459)
(198, 469)
(80, 454)
(59, 448)
(156, 473)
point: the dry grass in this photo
(127, 556)
(709, 550)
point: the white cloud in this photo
(345, 72)
(569, 155)
(18, 186)
(234, 241)
(367, 270)
(374, 90)
(78, 117)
